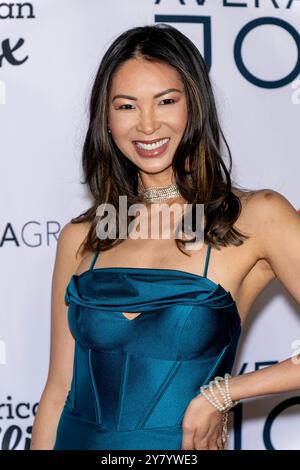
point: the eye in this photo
(121, 107)
(166, 99)
(169, 99)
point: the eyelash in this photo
(166, 99)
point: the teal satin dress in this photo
(133, 379)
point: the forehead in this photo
(140, 74)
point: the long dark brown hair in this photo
(109, 173)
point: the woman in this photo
(151, 323)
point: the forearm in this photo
(45, 424)
(278, 378)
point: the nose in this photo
(148, 124)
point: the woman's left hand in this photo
(202, 426)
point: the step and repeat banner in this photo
(49, 53)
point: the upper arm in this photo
(62, 341)
(278, 235)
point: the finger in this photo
(213, 446)
(201, 443)
(220, 443)
(201, 446)
(187, 439)
(210, 442)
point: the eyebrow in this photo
(155, 96)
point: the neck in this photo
(158, 180)
(157, 194)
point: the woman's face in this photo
(139, 116)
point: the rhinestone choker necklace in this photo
(158, 193)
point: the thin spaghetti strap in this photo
(207, 260)
(94, 260)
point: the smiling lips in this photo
(154, 149)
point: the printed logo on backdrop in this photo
(8, 52)
(11, 53)
(16, 419)
(32, 234)
(255, 4)
(240, 60)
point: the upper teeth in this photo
(152, 146)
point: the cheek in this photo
(120, 126)
(184, 115)
(179, 120)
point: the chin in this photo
(154, 169)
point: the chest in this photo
(173, 332)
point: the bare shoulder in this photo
(70, 245)
(276, 210)
(268, 211)
(266, 202)
(249, 200)
(263, 206)
(72, 236)
(246, 198)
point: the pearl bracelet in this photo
(213, 399)
(223, 407)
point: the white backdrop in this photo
(49, 53)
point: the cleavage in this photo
(131, 313)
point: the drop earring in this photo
(108, 128)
